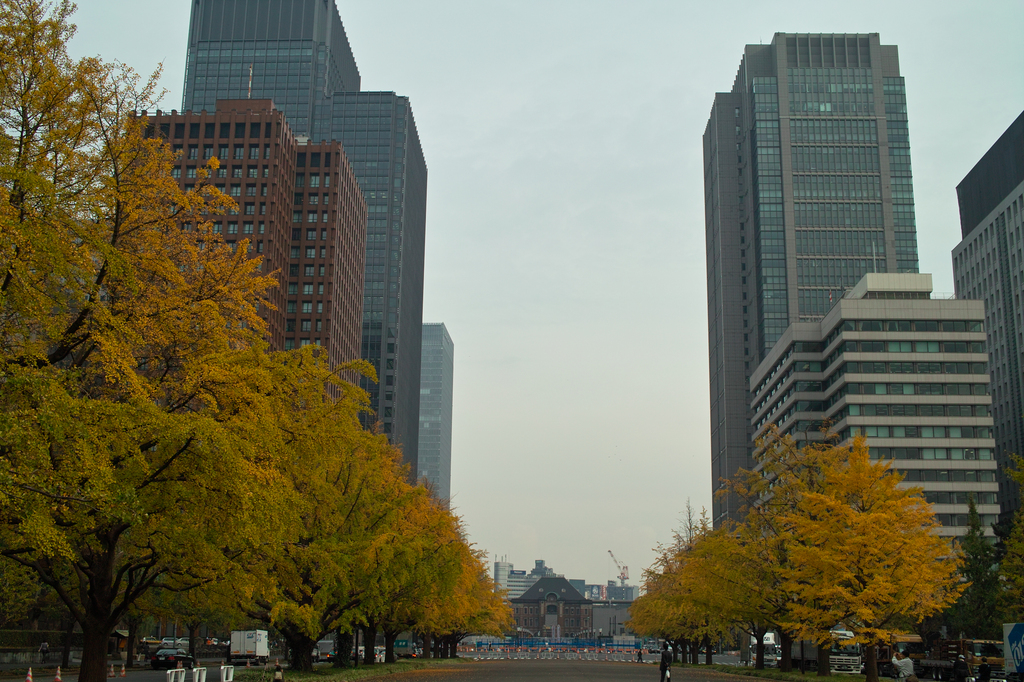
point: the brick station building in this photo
(300, 207)
(552, 607)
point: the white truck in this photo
(249, 645)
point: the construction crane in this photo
(623, 570)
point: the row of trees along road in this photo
(149, 439)
(828, 537)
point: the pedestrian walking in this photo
(44, 651)
(961, 670)
(984, 671)
(666, 662)
(640, 655)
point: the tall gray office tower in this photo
(296, 53)
(436, 383)
(379, 135)
(807, 187)
(988, 264)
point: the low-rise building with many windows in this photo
(905, 370)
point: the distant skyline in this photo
(565, 224)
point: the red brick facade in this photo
(299, 205)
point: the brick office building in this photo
(300, 207)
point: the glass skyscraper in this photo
(436, 384)
(296, 53)
(808, 187)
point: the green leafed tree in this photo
(976, 613)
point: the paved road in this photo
(476, 671)
(560, 671)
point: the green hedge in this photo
(31, 639)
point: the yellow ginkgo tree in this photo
(865, 553)
(134, 431)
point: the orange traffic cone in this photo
(110, 673)
(29, 678)
(247, 663)
(122, 670)
(179, 665)
(57, 677)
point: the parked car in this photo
(167, 643)
(181, 642)
(170, 658)
(151, 641)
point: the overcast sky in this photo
(565, 223)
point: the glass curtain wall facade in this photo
(808, 187)
(296, 53)
(379, 135)
(436, 383)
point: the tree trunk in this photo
(94, 654)
(427, 645)
(389, 645)
(369, 643)
(342, 649)
(870, 663)
(300, 649)
(679, 647)
(708, 656)
(824, 664)
(695, 651)
(193, 636)
(759, 649)
(65, 658)
(129, 649)
(786, 655)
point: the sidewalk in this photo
(50, 666)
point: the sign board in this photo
(1013, 647)
(401, 643)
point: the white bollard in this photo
(198, 674)
(176, 675)
(227, 673)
